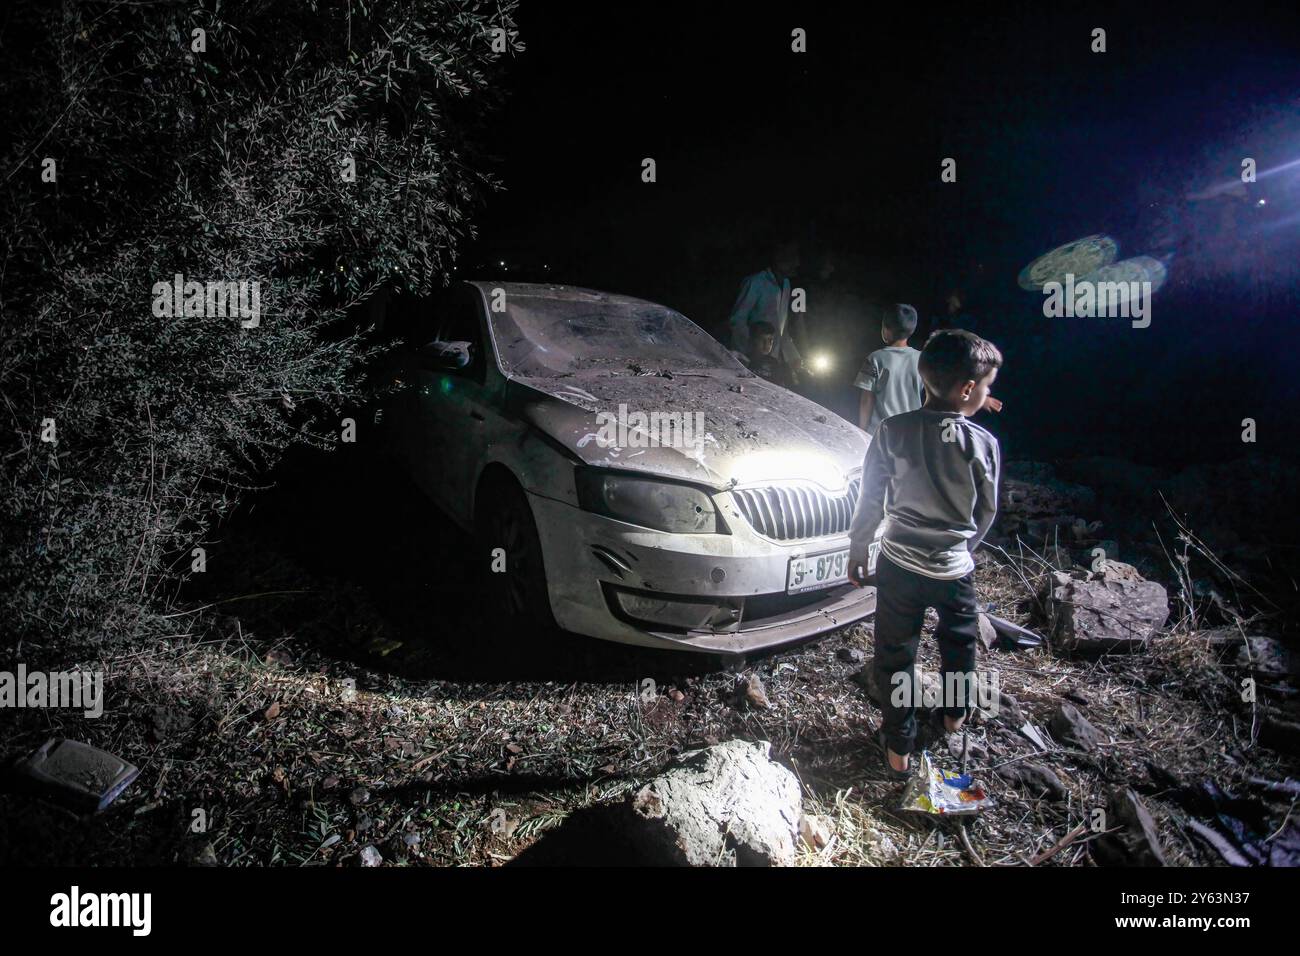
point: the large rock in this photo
(1133, 839)
(726, 805)
(1110, 611)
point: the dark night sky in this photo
(840, 147)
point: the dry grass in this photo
(1174, 707)
(294, 767)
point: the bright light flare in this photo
(772, 466)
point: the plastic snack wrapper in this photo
(934, 790)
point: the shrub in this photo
(222, 156)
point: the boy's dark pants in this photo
(901, 599)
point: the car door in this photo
(452, 402)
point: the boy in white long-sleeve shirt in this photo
(931, 476)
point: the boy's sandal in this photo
(884, 759)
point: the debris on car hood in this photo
(741, 428)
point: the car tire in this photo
(503, 519)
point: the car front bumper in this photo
(711, 593)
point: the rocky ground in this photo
(326, 710)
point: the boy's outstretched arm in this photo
(986, 470)
(870, 509)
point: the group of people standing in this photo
(769, 333)
(929, 488)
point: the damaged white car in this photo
(624, 476)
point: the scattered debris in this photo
(756, 693)
(815, 831)
(933, 790)
(167, 722)
(1131, 837)
(1179, 701)
(1034, 736)
(1284, 850)
(1035, 779)
(1279, 731)
(1060, 845)
(1237, 827)
(1008, 636)
(1289, 787)
(1230, 854)
(383, 647)
(75, 774)
(1009, 709)
(1267, 657)
(961, 745)
(864, 678)
(207, 856)
(1072, 728)
(1032, 490)
(502, 824)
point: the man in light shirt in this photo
(765, 297)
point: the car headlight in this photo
(661, 505)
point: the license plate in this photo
(817, 571)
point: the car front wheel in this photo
(511, 553)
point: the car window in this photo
(452, 315)
(573, 331)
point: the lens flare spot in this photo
(1079, 257)
(1137, 269)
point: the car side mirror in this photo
(438, 356)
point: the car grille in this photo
(793, 512)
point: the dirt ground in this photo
(298, 755)
(334, 696)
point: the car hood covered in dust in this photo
(753, 431)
